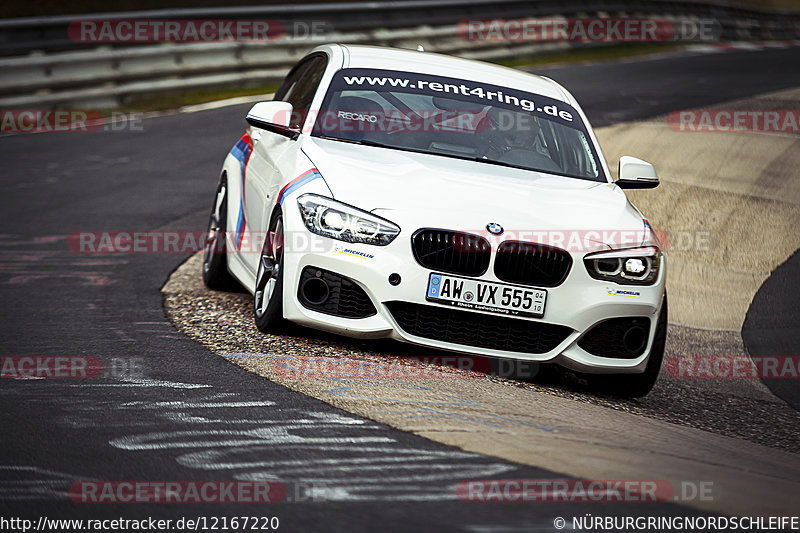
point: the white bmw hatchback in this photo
(444, 202)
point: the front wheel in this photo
(268, 297)
(215, 247)
(638, 385)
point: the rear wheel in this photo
(638, 385)
(268, 298)
(215, 249)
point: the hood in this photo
(421, 190)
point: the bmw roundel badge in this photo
(495, 228)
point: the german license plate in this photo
(480, 295)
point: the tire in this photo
(268, 294)
(215, 248)
(638, 385)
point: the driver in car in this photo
(514, 138)
(510, 131)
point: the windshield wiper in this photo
(365, 142)
(370, 142)
(481, 159)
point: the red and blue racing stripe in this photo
(241, 151)
(302, 179)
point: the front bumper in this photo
(579, 303)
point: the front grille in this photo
(529, 263)
(621, 338)
(478, 330)
(451, 251)
(343, 297)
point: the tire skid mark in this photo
(333, 456)
(47, 258)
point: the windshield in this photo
(458, 118)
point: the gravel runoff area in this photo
(739, 408)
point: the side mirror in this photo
(273, 116)
(636, 174)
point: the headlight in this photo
(635, 266)
(336, 220)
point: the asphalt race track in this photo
(167, 406)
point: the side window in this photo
(300, 86)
